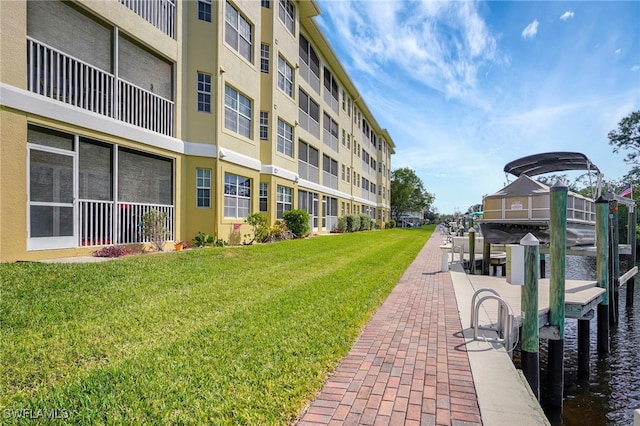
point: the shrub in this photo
(154, 228)
(353, 223)
(391, 223)
(202, 239)
(342, 224)
(297, 221)
(365, 222)
(114, 251)
(279, 232)
(258, 222)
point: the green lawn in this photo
(239, 335)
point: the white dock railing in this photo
(99, 225)
(56, 75)
(159, 13)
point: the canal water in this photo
(611, 393)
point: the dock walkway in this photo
(416, 362)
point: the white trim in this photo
(200, 149)
(270, 169)
(239, 159)
(33, 103)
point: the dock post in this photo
(530, 358)
(602, 272)
(486, 257)
(472, 250)
(584, 350)
(631, 239)
(614, 269)
(557, 257)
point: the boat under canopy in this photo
(523, 206)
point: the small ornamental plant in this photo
(155, 229)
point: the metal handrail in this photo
(505, 321)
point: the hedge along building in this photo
(206, 111)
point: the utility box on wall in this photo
(515, 264)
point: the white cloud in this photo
(567, 15)
(617, 51)
(530, 30)
(635, 68)
(443, 45)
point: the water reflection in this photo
(612, 392)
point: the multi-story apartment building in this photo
(204, 110)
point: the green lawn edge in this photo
(236, 335)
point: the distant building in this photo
(204, 110)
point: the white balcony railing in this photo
(329, 180)
(98, 225)
(59, 76)
(143, 108)
(159, 13)
(330, 140)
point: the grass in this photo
(241, 335)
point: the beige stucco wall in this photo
(13, 191)
(13, 33)
(199, 219)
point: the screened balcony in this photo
(54, 74)
(84, 192)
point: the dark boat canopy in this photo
(548, 162)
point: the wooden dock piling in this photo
(530, 357)
(584, 349)
(631, 240)
(486, 257)
(472, 250)
(614, 267)
(602, 272)
(557, 255)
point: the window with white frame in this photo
(203, 188)
(237, 196)
(309, 113)
(308, 162)
(285, 76)
(287, 13)
(264, 125)
(285, 138)
(237, 112)
(204, 10)
(284, 200)
(204, 92)
(330, 132)
(331, 90)
(238, 32)
(329, 172)
(309, 64)
(264, 58)
(264, 196)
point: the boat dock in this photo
(581, 297)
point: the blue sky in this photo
(465, 87)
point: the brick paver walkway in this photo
(410, 365)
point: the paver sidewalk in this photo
(410, 364)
